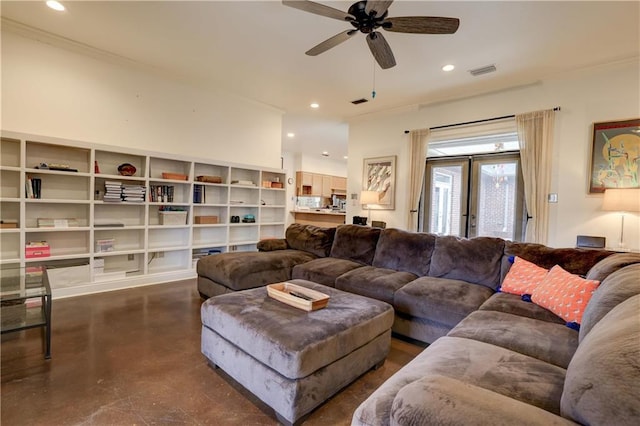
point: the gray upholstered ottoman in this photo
(291, 359)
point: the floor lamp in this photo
(622, 200)
(368, 198)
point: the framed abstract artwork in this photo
(379, 174)
(615, 155)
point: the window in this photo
(474, 182)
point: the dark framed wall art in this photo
(615, 155)
(379, 174)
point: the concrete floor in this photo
(132, 357)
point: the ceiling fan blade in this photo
(318, 9)
(377, 6)
(331, 42)
(381, 50)
(422, 24)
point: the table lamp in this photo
(622, 200)
(369, 197)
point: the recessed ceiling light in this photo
(55, 5)
(291, 135)
(315, 105)
(325, 154)
(345, 157)
(448, 67)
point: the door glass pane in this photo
(446, 196)
(497, 191)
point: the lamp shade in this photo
(369, 197)
(621, 200)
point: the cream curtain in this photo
(535, 132)
(418, 146)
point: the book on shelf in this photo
(57, 223)
(37, 249)
(161, 193)
(33, 187)
(105, 245)
(198, 194)
(8, 223)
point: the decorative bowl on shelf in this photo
(127, 169)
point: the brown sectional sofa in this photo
(433, 282)
(493, 358)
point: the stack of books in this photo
(113, 191)
(133, 193)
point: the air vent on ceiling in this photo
(483, 70)
(359, 101)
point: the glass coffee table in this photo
(25, 301)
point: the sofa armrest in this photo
(272, 244)
(438, 399)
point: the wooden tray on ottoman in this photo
(297, 296)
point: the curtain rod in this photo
(475, 122)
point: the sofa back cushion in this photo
(615, 289)
(356, 243)
(601, 385)
(610, 264)
(573, 260)
(475, 260)
(309, 238)
(404, 251)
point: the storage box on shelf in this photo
(127, 242)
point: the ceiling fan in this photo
(367, 16)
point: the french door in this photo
(479, 195)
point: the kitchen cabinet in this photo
(319, 185)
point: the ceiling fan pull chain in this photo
(373, 91)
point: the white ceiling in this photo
(256, 49)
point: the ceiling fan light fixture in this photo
(448, 68)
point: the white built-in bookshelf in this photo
(145, 243)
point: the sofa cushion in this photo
(564, 294)
(601, 387)
(356, 243)
(512, 304)
(441, 400)
(476, 363)
(522, 277)
(244, 270)
(324, 270)
(475, 260)
(404, 251)
(576, 261)
(445, 300)
(616, 288)
(377, 283)
(272, 244)
(546, 341)
(309, 238)
(610, 264)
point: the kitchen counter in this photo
(319, 217)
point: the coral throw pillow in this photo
(523, 277)
(564, 294)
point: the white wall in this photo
(603, 93)
(52, 91)
(319, 164)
